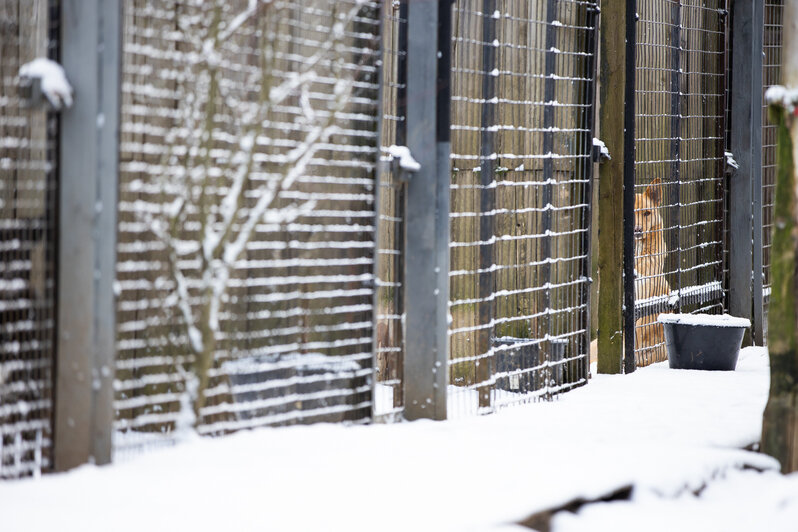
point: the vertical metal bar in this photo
(674, 235)
(443, 184)
(720, 170)
(401, 75)
(591, 42)
(401, 196)
(629, 188)
(379, 179)
(487, 304)
(426, 277)
(91, 55)
(548, 173)
(745, 109)
(758, 27)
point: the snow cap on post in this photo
(44, 77)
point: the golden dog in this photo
(649, 272)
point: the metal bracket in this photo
(598, 156)
(730, 165)
(391, 165)
(30, 93)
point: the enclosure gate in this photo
(522, 96)
(680, 168)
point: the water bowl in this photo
(703, 341)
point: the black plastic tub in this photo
(703, 341)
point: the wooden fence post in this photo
(89, 155)
(611, 131)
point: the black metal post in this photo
(487, 305)
(589, 123)
(548, 171)
(675, 231)
(401, 76)
(629, 189)
(758, 322)
(746, 136)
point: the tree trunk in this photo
(780, 423)
(205, 359)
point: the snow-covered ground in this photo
(668, 433)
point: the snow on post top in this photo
(55, 86)
(406, 160)
(712, 320)
(781, 95)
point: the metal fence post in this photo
(91, 55)
(629, 363)
(487, 206)
(746, 144)
(426, 275)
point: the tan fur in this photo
(649, 269)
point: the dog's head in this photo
(647, 218)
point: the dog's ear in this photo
(653, 192)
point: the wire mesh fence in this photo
(246, 218)
(679, 218)
(28, 188)
(256, 282)
(771, 75)
(522, 82)
(389, 391)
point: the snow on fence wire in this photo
(680, 110)
(771, 73)
(389, 392)
(28, 156)
(246, 215)
(522, 130)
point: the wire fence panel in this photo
(522, 95)
(771, 75)
(389, 345)
(246, 218)
(28, 190)
(680, 189)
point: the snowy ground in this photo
(667, 433)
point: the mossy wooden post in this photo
(780, 423)
(610, 254)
